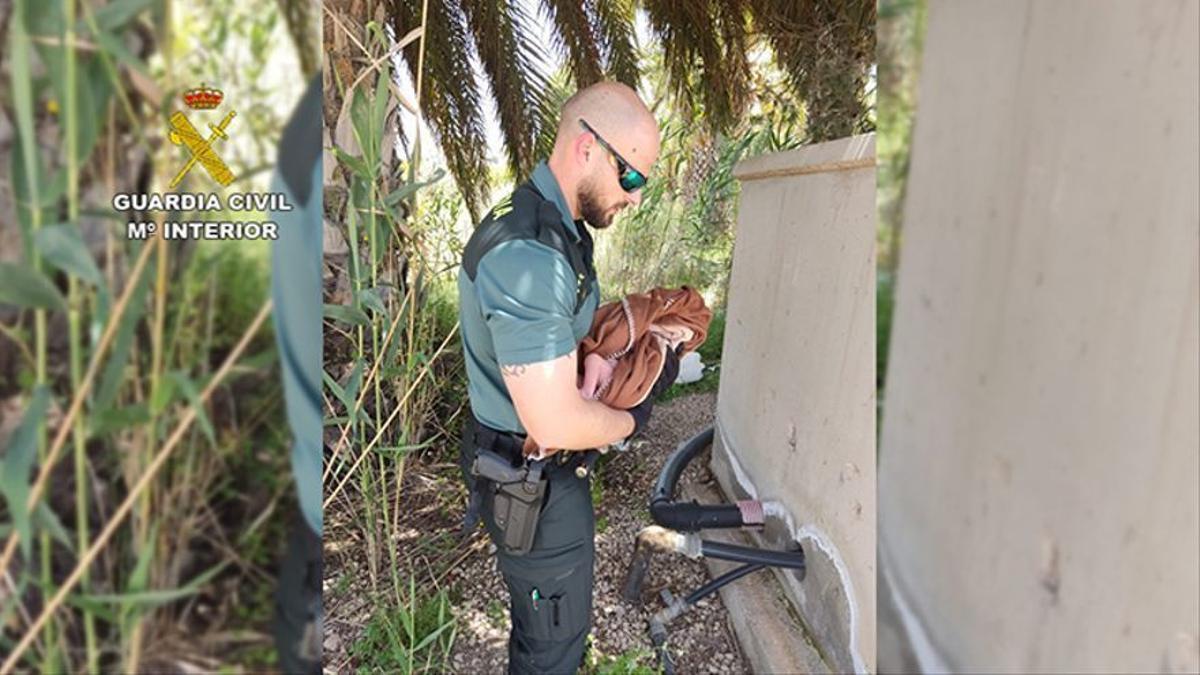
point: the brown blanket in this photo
(630, 339)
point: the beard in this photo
(590, 208)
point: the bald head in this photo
(617, 113)
(586, 170)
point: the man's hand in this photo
(553, 412)
(670, 372)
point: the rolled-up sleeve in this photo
(526, 291)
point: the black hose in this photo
(688, 517)
(745, 554)
(664, 487)
(727, 578)
(693, 517)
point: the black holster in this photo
(517, 506)
(517, 487)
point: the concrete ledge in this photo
(764, 621)
(843, 154)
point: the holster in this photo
(518, 490)
(517, 507)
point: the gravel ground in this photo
(701, 640)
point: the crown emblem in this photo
(203, 97)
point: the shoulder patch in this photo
(503, 208)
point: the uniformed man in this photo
(528, 292)
(296, 291)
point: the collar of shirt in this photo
(545, 182)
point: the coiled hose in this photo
(676, 532)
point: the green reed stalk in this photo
(75, 303)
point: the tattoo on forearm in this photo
(513, 371)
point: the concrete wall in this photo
(1038, 462)
(796, 407)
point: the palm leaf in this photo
(575, 37)
(515, 70)
(705, 66)
(614, 20)
(450, 98)
(558, 89)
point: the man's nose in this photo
(634, 197)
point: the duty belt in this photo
(497, 464)
(511, 446)
(505, 443)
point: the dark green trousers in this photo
(550, 588)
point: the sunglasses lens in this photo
(632, 180)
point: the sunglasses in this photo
(630, 178)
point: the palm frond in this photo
(558, 89)
(575, 36)
(733, 64)
(709, 65)
(450, 97)
(514, 69)
(614, 24)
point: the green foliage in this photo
(415, 637)
(61, 246)
(683, 231)
(25, 286)
(237, 275)
(17, 462)
(78, 121)
(497, 613)
(392, 376)
(708, 54)
(632, 662)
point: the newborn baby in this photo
(597, 374)
(625, 351)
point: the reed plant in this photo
(391, 351)
(141, 419)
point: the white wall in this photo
(797, 398)
(1038, 462)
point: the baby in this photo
(597, 373)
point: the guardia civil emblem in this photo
(201, 149)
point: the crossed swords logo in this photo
(183, 133)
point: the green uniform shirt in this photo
(520, 308)
(296, 290)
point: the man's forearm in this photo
(592, 424)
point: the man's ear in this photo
(583, 147)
